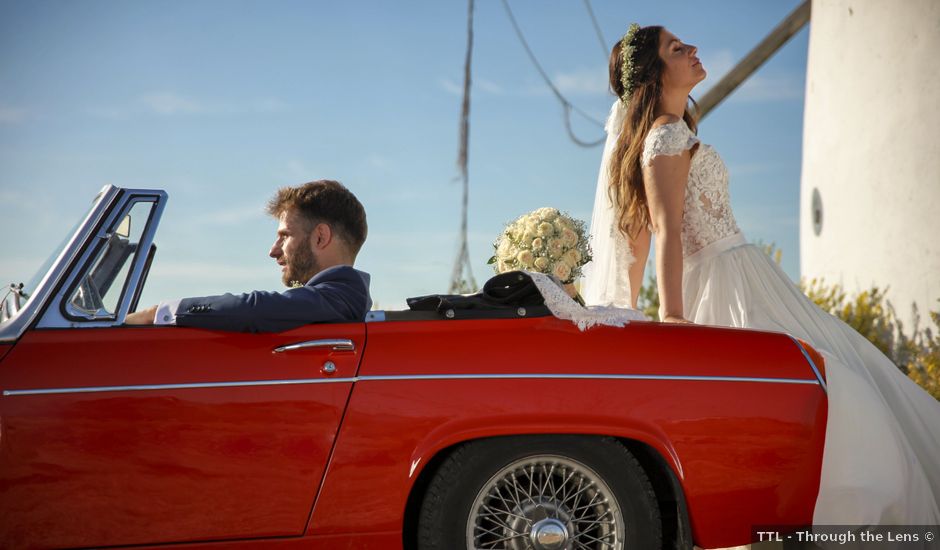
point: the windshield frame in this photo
(13, 328)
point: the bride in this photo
(881, 463)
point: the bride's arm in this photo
(640, 247)
(665, 182)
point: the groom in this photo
(321, 227)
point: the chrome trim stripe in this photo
(586, 377)
(413, 377)
(811, 364)
(178, 386)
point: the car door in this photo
(119, 435)
(132, 435)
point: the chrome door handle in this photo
(338, 344)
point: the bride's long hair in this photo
(626, 189)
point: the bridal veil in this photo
(606, 277)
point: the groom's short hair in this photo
(325, 201)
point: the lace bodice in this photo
(707, 215)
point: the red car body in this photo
(119, 436)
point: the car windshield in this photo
(29, 287)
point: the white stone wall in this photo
(871, 147)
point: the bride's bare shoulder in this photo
(663, 120)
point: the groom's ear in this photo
(321, 236)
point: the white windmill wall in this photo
(871, 148)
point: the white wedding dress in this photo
(881, 463)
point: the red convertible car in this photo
(408, 430)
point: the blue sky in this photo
(221, 102)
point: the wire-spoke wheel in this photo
(547, 503)
(555, 492)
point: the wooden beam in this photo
(757, 57)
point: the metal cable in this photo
(597, 29)
(567, 105)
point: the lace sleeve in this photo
(668, 139)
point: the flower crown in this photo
(627, 69)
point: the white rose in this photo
(526, 258)
(569, 236)
(541, 263)
(546, 229)
(562, 271)
(502, 250)
(537, 244)
(547, 214)
(528, 236)
(556, 248)
(573, 258)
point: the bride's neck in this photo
(673, 103)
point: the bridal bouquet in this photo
(546, 241)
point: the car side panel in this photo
(172, 434)
(4, 348)
(746, 452)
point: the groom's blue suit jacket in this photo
(337, 294)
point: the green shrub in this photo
(924, 357)
(867, 312)
(648, 299)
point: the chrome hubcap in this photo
(545, 503)
(549, 534)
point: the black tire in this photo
(474, 481)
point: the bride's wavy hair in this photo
(626, 189)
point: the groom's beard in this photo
(301, 267)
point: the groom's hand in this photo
(143, 317)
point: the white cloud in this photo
(378, 161)
(170, 103)
(758, 87)
(231, 216)
(583, 81)
(481, 85)
(12, 115)
(717, 65)
(488, 86)
(778, 87)
(212, 271)
(450, 86)
(298, 170)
